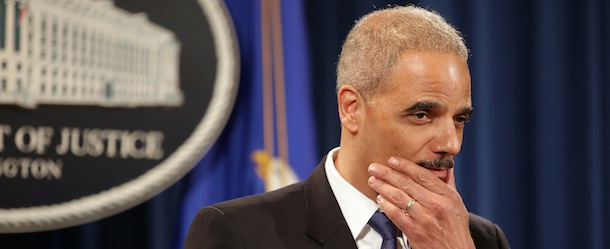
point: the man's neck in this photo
(354, 172)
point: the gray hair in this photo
(375, 43)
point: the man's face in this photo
(422, 114)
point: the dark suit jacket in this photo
(302, 215)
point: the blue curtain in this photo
(532, 159)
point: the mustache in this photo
(438, 163)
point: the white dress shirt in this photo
(356, 207)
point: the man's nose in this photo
(448, 139)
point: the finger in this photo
(403, 221)
(391, 193)
(411, 224)
(396, 196)
(413, 209)
(399, 184)
(420, 175)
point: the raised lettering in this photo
(5, 130)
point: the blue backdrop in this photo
(532, 158)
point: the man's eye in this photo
(462, 119)
(420, 115)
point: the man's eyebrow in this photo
(467, 110)
(423, 105)
(431, 105)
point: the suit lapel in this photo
(325, 222)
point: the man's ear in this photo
(349, 101)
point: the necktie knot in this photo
(384, 226)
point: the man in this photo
(403, 92)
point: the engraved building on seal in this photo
(85, 52)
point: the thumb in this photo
(451, 178)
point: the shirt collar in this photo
(356, 207)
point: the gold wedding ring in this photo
(409, 205)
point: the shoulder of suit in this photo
(266, 200)
(475, 219)
(480, 224)
(484, 232)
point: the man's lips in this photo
(440, 173)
